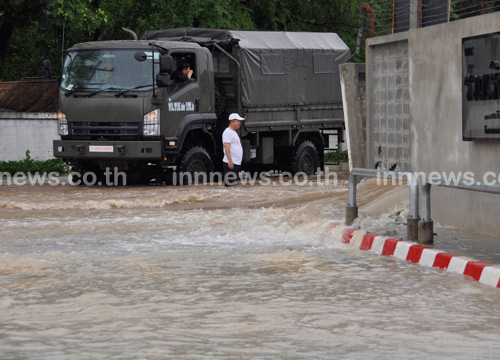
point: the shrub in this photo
(30, 166)
(332, 156)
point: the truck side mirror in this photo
(495, 64)
(140, 56)
(163, 80)
(46, 68)
(166, 64)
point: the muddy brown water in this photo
(206, 272)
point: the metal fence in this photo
(385, 17)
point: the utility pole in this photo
(414, 14)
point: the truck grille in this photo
(105, 130)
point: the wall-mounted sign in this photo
(481, 87)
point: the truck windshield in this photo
(112, 70)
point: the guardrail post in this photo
(419, 231)
(351, 211)
(426, 225)
(413, 217)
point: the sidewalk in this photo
(446, 238)
(381, 228)
(480, 247)
(483, 272)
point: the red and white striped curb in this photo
(418, 254)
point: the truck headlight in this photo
(62, 123)
(152, 123)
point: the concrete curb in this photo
(485, 273)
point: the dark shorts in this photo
(231, 176)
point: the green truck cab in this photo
(120, 107)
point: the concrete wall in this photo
(388, 102)
(436, 87)
(353, 83)
(427, 62)
(27, 131)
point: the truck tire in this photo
(137, 177)
(306, 158)
(80, 176)
(195, 160)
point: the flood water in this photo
(206, 272)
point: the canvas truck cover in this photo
(278, 68)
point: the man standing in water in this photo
(233, 151)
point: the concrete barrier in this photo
(27, 131)
(485, 273)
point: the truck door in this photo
(183, 97)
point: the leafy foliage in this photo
(90, 20)
(332, 156)
(19, 12)
(31, 166)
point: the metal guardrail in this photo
(477, 186)
(419, 229)
(413, 217)
(461, 185)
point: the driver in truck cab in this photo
(183, 74)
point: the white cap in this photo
(235, 116)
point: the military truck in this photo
(119, 106)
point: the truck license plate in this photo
(101, 148)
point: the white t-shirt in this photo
(230, 136)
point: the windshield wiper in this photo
(78, 88)
(73, 91)
(101, 90)
(134, 88)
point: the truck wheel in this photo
(197, 162)
(137, 177)
(86, 176)
(75, 180)
(306, 158)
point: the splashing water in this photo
(212, 273)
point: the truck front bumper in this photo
(82, 149)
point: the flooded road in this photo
(206, 272)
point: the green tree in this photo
(38, 25)
(16, 14)
(83, 19)
(343, 17)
